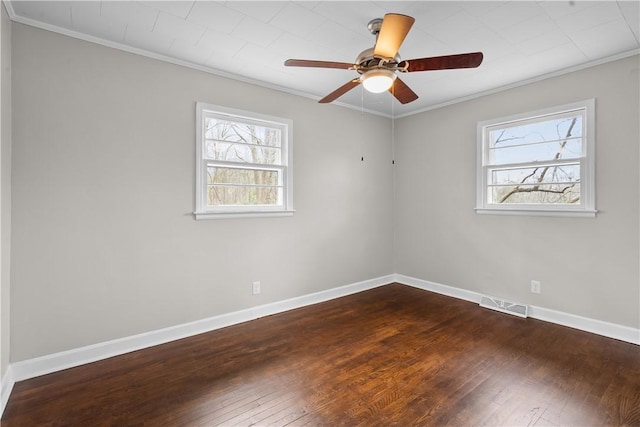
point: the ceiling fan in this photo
(378, 65)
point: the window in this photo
(243, 164)
(538, 163)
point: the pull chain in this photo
(393, 127)
(363, 123)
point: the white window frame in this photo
(586, 207)
(204, 110)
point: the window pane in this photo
(541, 131)
(537, 194)
(225, 130)
(562, 149)
(221, 195)
(535, 175)
(244, 163)
(217, 175)
(538, 163)
(217, 150)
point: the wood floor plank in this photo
(393, 355)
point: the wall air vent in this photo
(508, 307)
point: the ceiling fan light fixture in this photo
(378, 65)
(378, 80)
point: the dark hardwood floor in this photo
(394, 355)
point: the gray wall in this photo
(104, 242)
(5, 189)
(588, 267)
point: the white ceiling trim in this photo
(142, 52)
(528, 81)
(175, 61)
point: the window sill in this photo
(587, 213)
(248, 214)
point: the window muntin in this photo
(243, 163)
(540, 162)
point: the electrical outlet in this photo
(256, 288)
(535, 287)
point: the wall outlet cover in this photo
(535, 286)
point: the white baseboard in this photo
(290, 304)
(6, 385)
(438, 288)
(599, 327)
(68, 359)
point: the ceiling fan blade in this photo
(316, 64)
(394, 29)
(340, 91)
(402, 92)
(447, 62)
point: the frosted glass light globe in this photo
(378, 80)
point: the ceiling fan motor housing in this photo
(367, 61)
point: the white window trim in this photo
(224, 212)
(586, 208)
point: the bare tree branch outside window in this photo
(556, 170)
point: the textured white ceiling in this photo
(250, 40)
